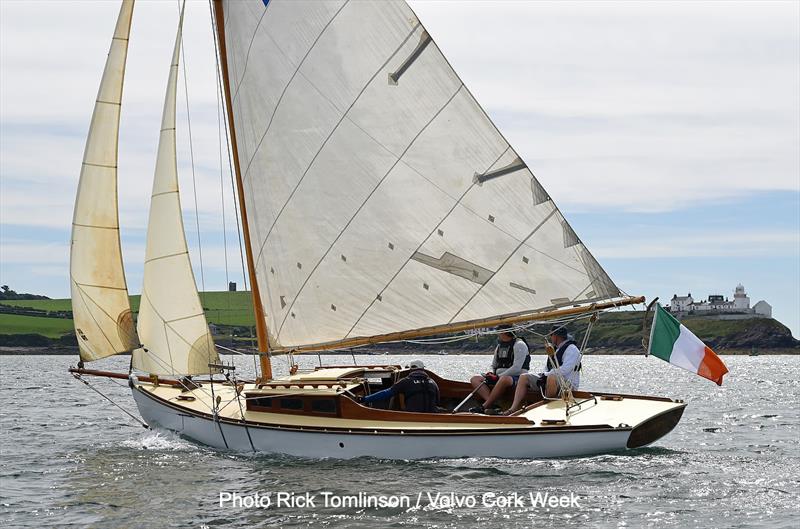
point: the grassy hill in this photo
(42, 322)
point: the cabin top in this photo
(341, 373)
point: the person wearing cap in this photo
(420, 392)
(511, 359)
(563, 357)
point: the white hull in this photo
(238, 436)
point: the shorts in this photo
(532, 380)
(514, 379)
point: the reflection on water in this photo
(71, 460)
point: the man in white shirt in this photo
(566, 356)
(511, 359)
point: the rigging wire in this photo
(222, 197)
(129, 414)
(228, 149)
(191, 157)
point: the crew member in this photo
(511, 359)
(563, 358)
(420, 392)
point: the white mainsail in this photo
(172, 325)
(380, 196)
(100, 306)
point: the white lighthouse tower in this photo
(740, 299)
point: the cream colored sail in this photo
(172, 325)
(100, 306)
(380, 196)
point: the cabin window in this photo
(262, 403)
(292, 404)
(323, 405)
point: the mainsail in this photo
(172, 325)
(100, 307)
(380, 196)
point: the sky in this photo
(667, 133)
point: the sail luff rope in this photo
(222, 198)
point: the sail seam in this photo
(165, 257)
(93, 226)
(106, 166)
(84, 296)
(280, 99)
(324, 143)
(364, 202)
(173, 192)
(510, 255)
(249, 47)
(185, 318)
(166, 336)
(424, 240)
(108, 102)
(98, 286)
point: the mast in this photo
(258, 309)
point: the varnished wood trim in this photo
(381, 431)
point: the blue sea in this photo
(70, 459)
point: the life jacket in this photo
(560, 356)
(420, 392)
(504, 355)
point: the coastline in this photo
(592, 351)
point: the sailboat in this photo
(378, 203)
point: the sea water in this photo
(70, 459)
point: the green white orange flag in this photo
(673, 342)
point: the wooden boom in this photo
(463, 326)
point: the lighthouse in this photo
(740, 299)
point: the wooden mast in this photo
(261, 326)
(466, 325)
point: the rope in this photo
(222, 197)
(129, 414)
(228, 150)
(191, 157)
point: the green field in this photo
(49, 327)
(222, 308)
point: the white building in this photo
(681, 303)
(720, 304)
(762, 308)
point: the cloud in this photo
(722, 244)
(645, 107)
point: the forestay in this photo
(380, 196)
(172, 325)
(100, 307)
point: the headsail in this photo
(172, 325)
(100, 306)
(380, 195)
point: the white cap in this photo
(416, 364)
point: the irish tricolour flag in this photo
(671, 341)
